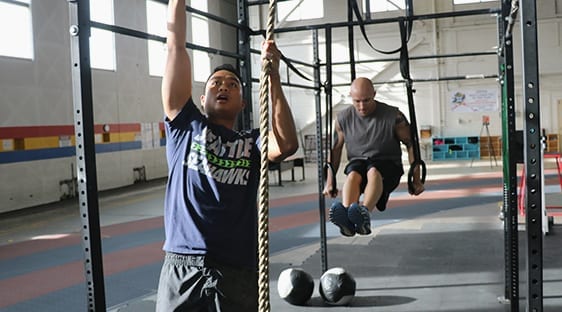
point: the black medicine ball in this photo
(295, 286)
(337, 287)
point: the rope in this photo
(263, 203)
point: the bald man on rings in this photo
(372, 132)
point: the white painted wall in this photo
(38, 92)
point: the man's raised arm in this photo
(283, 136)
(176, 83)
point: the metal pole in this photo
(85, 152)
(328, 87)
(533, 167)
(510, 211)
(320, 152)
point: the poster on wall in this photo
(146, 135)
(149, 135)
(474, 100)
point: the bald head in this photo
(363, 96)
(362, 84)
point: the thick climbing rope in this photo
(263, 202)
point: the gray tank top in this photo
(371, 136)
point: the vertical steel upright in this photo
(244, 65)
(328, 87)
(85, 152)
(319, 151)
(532, 148)
(329, 117)
(511, 236)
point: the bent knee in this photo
(354, 176)
(373, 173)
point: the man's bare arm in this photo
(334, 158)
(283, 141)
(176, 83)
(404, 134)
(337, 146)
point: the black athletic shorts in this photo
(194, 283)
(390, 170)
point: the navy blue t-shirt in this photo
(213, 176)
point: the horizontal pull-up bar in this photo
(290, 84)
(205, 14)
(466, 77)
(420, 57)
(291, 60)
(490, 11)
(142, 35)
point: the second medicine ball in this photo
(295, 286)
(337, 287)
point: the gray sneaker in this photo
(360, 216)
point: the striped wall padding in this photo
(29, 143)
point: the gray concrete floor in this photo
(447, 260)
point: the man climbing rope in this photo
(372, 132)
(210, 212)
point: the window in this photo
(296, 10)
(102, 42)
(200, 33)
(384, 5)
(156, 14)
(470, 1)
(16, 33)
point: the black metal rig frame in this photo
(85, 143)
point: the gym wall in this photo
(37, 163)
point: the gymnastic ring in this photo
(413, 166)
